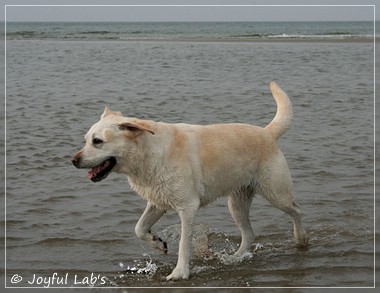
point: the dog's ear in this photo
(108, 111)
(135, 127)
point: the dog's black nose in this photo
(75, 160)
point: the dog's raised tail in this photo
(281, 122)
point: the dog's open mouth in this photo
(100, 172)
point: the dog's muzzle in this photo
(97, 172)
(100, 172)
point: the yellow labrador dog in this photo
(184, 167)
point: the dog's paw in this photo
(303, 243)
(178, 274)
(160, 244)
(302, 239)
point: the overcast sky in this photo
(199, 13)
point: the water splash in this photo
(149, 268)
(229, 259)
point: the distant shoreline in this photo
(213, 40)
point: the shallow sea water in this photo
(57, 221)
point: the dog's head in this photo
(110, 143)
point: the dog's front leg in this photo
(150, 216)
(187, 215)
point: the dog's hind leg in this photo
(300, 234)
(150, 216)
(239, 204)
(276, 187)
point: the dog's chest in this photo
(159, 192)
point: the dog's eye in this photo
(97, 141)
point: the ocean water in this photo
(58, 223)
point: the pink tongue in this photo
(92, 173)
